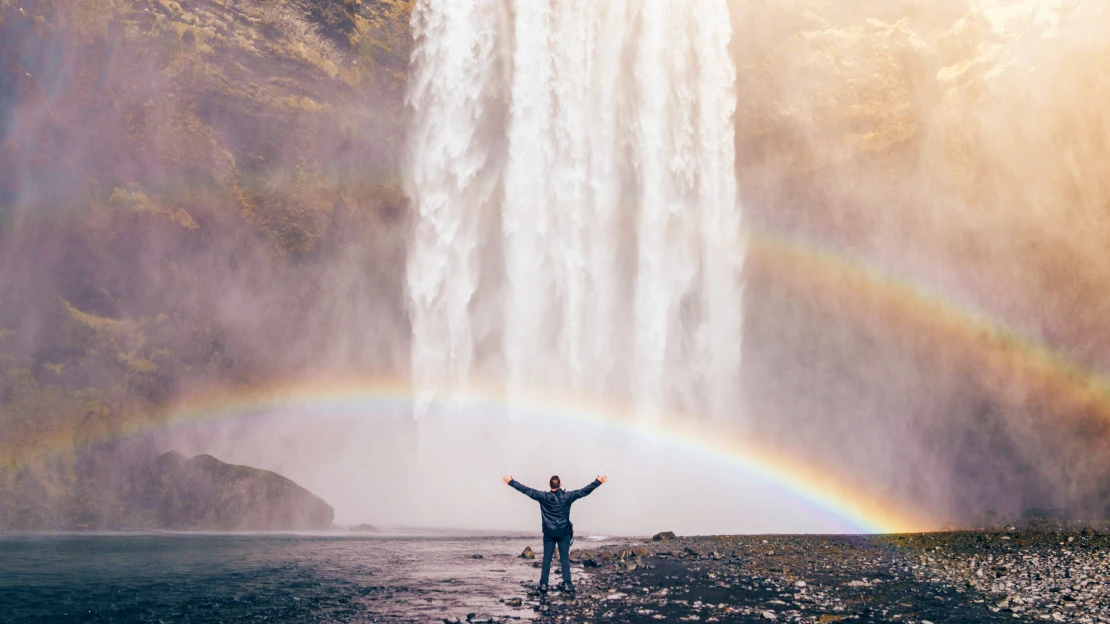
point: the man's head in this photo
(555, 483)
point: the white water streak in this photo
(620, 224)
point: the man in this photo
(557, 529)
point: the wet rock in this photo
(527, 554)
(665, 536)
(514, 602)
(769, 615)
(452, 620)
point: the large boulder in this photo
(204, 493)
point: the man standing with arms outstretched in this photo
(557, 529)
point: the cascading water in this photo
(574, 163)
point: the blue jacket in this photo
(555, 506)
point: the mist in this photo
(208, 196)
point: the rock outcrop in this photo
(204, 493)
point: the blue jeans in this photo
(549, 544)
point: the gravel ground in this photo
(1031, 576)
(922, 578)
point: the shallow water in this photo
(263, 578)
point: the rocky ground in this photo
(936, 577)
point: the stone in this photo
(590, 563)
(514, 602)
(452, 620)
(204, 493)
(527, 554)
(769, 615)
(665, 536)
(799, 583)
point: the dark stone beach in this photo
(933, 577)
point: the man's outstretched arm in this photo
(520, 487)
(577, 494)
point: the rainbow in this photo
(835, 282)
(1013, 366)
(371, 397)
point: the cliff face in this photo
(208, 191)
(938, 172)
(184, 185)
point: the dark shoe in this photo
(543, 589)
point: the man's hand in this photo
(507, 479)
(602, 478)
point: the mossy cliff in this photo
(208, 191)
(177, 182)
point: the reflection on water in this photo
(277, 578)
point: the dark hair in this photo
(555, 482)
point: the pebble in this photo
(965, 576)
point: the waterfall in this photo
(573, 162)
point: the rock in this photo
(527, 554)
(1087, 531)
(590, 563)
(204, 493)
(514, 602)
(477, 557)
(665, 536)
(799, 583)
(640, 551)
(452, 620)
(858, 584)
(475, 618)
(364, 528)
(769, 615)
